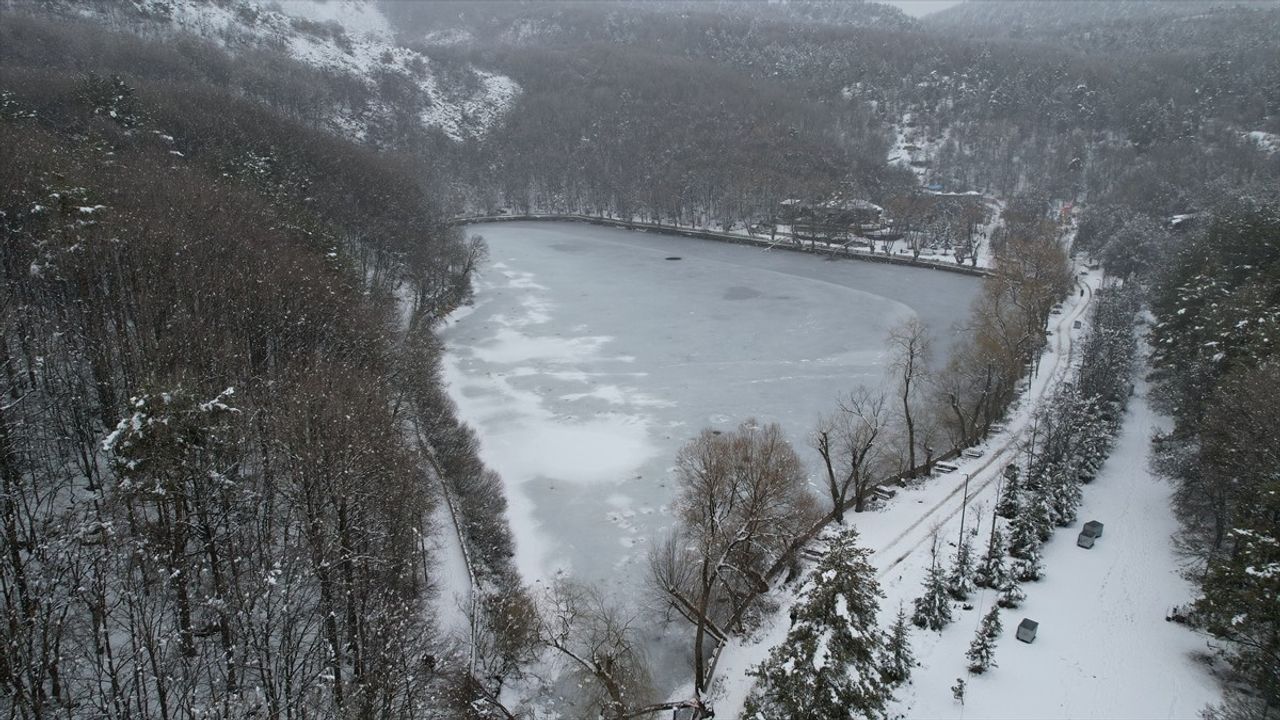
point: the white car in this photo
(943, 467)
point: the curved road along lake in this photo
(593, 354)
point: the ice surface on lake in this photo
(590, 358)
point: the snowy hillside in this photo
(348, 37)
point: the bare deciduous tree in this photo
(742, 501)
(909, 344)
(851, 443)
(599, 642)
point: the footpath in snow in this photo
(1104, 648)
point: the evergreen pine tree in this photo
(1007, 504)
(1037, 511)
(983, 647)
(1092, 445)
(898, 657)
(829, 664)
(1029, 568)
(1093, 451)
(933, 607)
(1064, 495)
(1024, 539)
(960, 579)
(992, 572)
(1011, 593)
(1030, 529)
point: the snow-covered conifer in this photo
(1011, 593)
(898, 657)
(960, 578)
(1007, 504)
(933, 607)
(982, 649)
(992, 571)
(1036, 509)
(1024, 538)
(1063, 495)
(830, 663)
(1027, 568)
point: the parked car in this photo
(944, 467)
(973, 453)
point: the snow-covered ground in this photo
(453, 585)
(913, 149)
(1104, 648)
(1266, 142)
(367, 50)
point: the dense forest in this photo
(1005, 114)
(225, 443)
(221, 413)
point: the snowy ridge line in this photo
(724, 237)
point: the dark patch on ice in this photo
(738, 292)
(568, 247)
(675, 257)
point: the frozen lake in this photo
(591, 356)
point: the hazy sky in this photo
(916, 8)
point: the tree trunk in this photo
(699, 638)
(911, 425)
(837, 493)
(178, 578)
